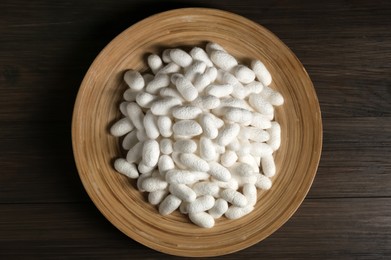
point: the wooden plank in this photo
(37, 164)
(334, 228)
(321, 228)
(355, 161)
(344, 46)
(349, 81)
(46, 48)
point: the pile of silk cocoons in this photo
(199, 133)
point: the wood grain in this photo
(364, 139)
(46, 48)
(327, 229)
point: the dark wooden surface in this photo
(47, 46)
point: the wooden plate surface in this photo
(96, 108)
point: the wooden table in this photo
(46, 48)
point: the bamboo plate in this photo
(96, 108)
